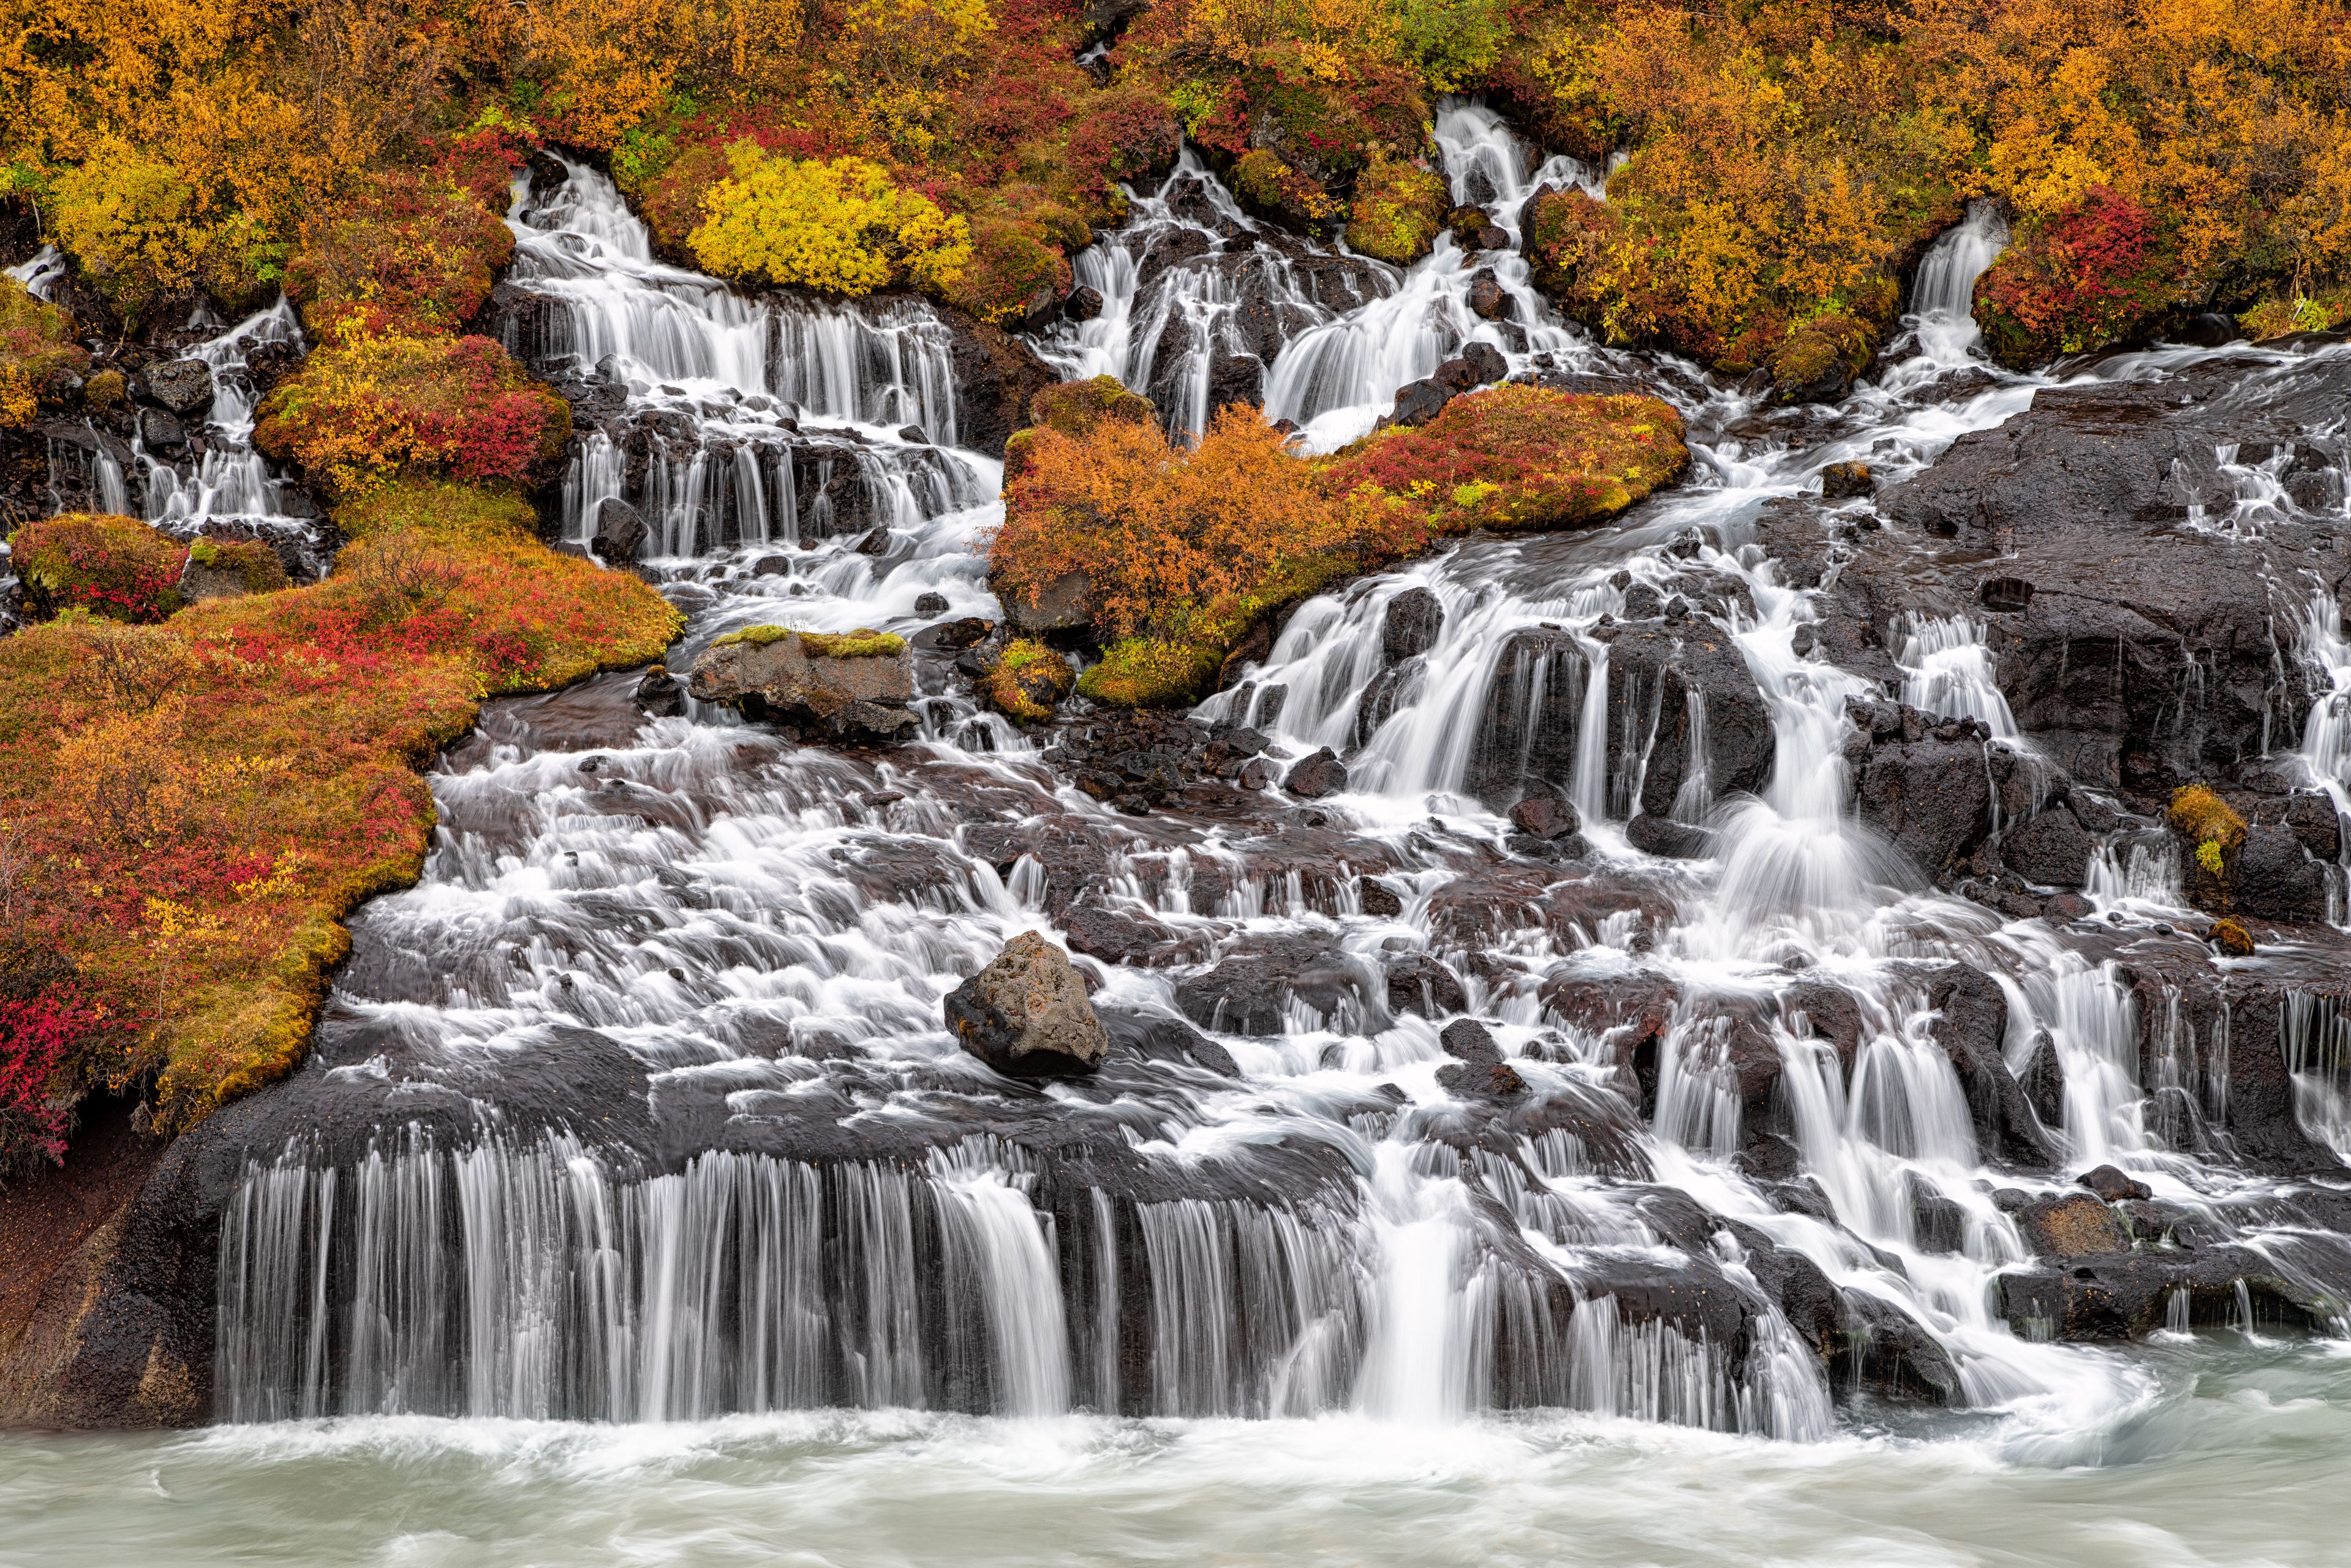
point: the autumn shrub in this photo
(1182, 552)
(118, 567)
(37, 353)
(2088, 276)
(841, 226)
(405, 256)
(132, 224)
(1397, 211)
(1073, 409)
(1014, 260)
(1271, 188)
(364, 411)
(211, 797)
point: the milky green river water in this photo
(2228, 1452)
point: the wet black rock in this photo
(1665, 837)
(1411, 626)
(1251, 992)
(1840, 481)
(1312, 778)
(1378, 899)
(930, 604)
(1026, 1014)
(1971, 1025)
(1546, 816)
(876, 542)
(620, 532)
(2272, 877)
(1116, 937)
(1419, 984)
(2051, 850)
(1418, 403)
(660, 694)
(2112, 1184)
(860, 699)
(1084, 303)
(1487, 297)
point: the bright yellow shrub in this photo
(838, 225)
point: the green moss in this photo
(1398, 209)
(862, 644)
(1140, 671)
(1026, 680)
(256, 566)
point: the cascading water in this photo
(772, 1180)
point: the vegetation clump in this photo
(1185, 551)
(117, 568)
(1398, 210)
(38, 357)
(406, 254)
(841, 226)
(1073, 409)
(1026, 679)
(367, 410)
(2214, 831)
(210, 796)
(862, 644)
(255, 565)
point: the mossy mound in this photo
(1026, 680)
(1144, 672)
(254, 564)
(1075, 409)
(2213, 833)
(39, 358)
(862, 644)
(1398, 210)
(214, 794)
(117, 568)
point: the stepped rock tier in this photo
(1762, 951)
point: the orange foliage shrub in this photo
(1181, 552)
(206, 798)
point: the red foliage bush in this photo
(360, 412)
(2089, 276)
(40, 1040)
(115, 566)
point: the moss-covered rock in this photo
(1144, 672)
(1074, 409)
(1398, 210)
(1026, 680)
(2211, 831)
(862, 644)
(224, 568)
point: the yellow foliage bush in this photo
(132, 224)
(839, 225)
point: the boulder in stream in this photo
(855, 686)
(1026, 1014)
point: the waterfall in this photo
(1942, 296)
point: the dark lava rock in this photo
(1972, 1022)
(1840, 481)
(1418, 403)
(660, 694)
(877, 542)
(1411, 626)
(2113, 1186)
(930, 604)
(1378, 899)
(2071, 1225)
(620, 532)
(1489, 299)
(184, 386)
(1250, 992)
(862, 698)
(1312, 778)
(1119, 938)
(2051, 850)
(2272, 877)
(1419, 984)
(1026, 1014)
(1084, 303)
(1664, 837)
(1546, 816)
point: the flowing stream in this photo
(1286, 1310)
